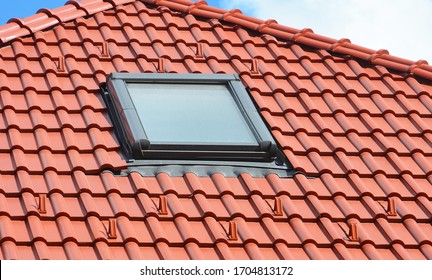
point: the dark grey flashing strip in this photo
(205, 170)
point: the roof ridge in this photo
(47, 18)
(305, 36)
(73, 9)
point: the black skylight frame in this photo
(137, 145)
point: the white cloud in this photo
(400, 26)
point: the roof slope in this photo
(360, 132)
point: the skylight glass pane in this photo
(190, 113)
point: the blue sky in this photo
(400, 26)
(24, 8)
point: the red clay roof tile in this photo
(358, 129)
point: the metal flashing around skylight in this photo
(188, 117)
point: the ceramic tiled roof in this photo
(355, 122)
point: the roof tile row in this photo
(57, 141)
(254, 208)
(352, 186)
(64, 162)
(9, 118)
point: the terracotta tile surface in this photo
(356, 122)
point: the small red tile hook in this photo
(161, 65)
(391, 207)
(104, 52)
(163, 205)
(112, 229)
(232, 231)
(277, 209)
(61, 64)
(353, 232)
(254, 66)
(42, 204)
(199, 50)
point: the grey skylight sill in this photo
(208, 168)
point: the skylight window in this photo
(188, 118)
(190, 113)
